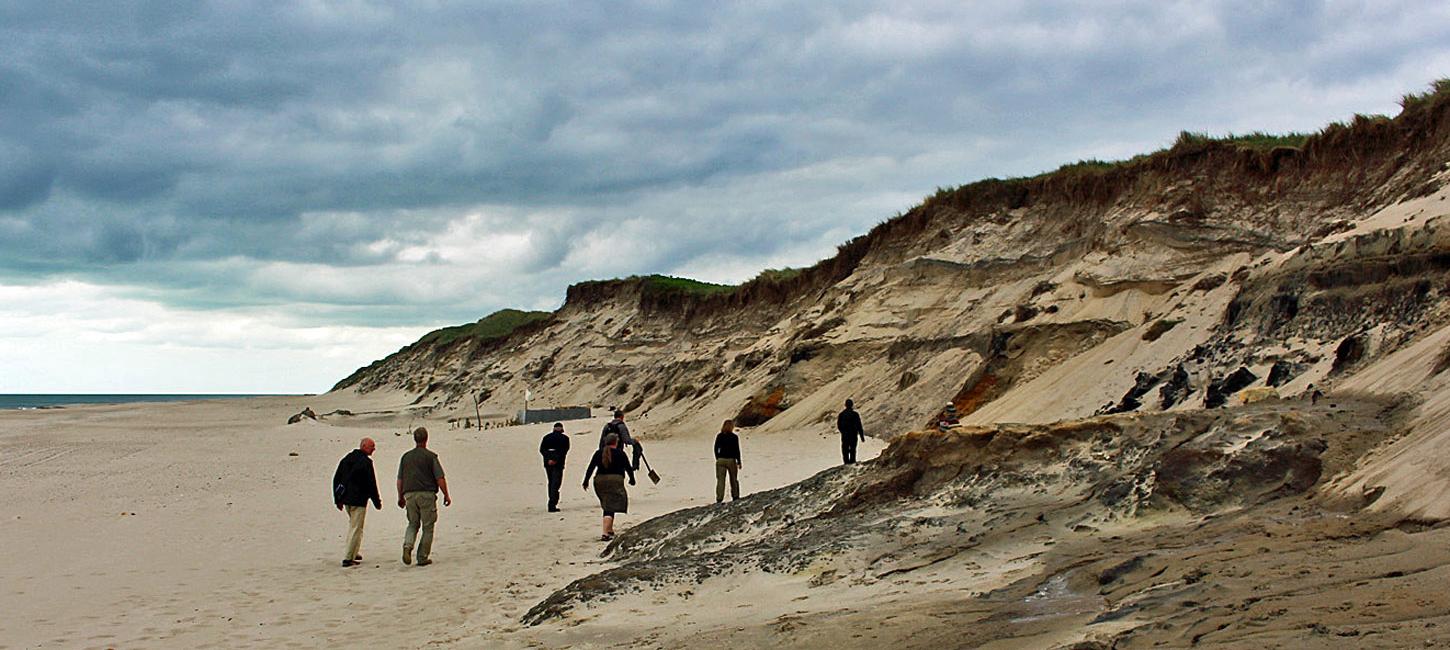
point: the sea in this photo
(52, 401)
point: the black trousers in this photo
(848, 449)
(638, 451)
(556, 478)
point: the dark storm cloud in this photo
(186, 147)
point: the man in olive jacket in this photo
(420, 478)
(353, 485)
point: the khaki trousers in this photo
(422, 510)
(723, 467)
(355, 517)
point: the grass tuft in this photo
(777, 275)
(1252, 140)
(493, 326)
(668, 284)
(1439, 89)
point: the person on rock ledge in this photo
(849, 424)
(947, 418)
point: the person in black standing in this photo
(849, 424)
(727, 461)
(353, 485)
(554, 447)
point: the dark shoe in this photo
(424, 561)
(606, 537)
(407, 555)
(553, 509)
(349, 563)
(357, 558)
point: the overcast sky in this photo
(228, 197)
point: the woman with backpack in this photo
(612, 465)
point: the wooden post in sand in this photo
(475, 411)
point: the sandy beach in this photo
(194, 525)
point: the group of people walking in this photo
(420, 479)
(608, 466)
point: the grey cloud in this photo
(142, 143)
(24, 183)
(119, 243)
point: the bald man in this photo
(353, 486)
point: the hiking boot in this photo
(407, 555)
(424, 561)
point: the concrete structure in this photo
(531, 416)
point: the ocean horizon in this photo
(26, 401)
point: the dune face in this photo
(987, 534)
(1172, 281)
(1202, 401)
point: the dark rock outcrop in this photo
(1219, 390)
(1176, 389)
(1348, 353)
(1132, 400)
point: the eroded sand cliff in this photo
(1203, 396)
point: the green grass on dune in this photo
(1439, 89)
(777, 275)
(661, 284)
(1254, 140)
(671, 284)
(1251, 140)
(493, 326)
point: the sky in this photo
(242, 197)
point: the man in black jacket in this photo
(849, 424)
(554, 447)
(353, 486)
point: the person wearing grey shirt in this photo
(619, 428)
(420, 477)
